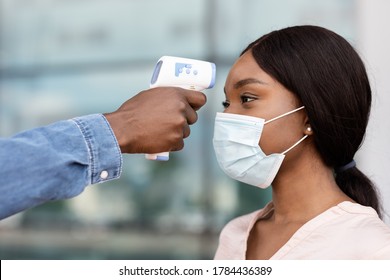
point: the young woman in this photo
(296, 110)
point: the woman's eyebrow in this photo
(244, 82)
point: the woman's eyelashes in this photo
(243, 98)
(225, 104)
(246, 99)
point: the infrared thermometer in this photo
(181, 72)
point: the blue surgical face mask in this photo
(236, 145)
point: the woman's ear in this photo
(307, 127)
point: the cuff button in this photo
(104, 175)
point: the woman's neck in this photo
(304, 191)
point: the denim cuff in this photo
(105, 156)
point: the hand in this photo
(156, 120)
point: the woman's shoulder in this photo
(233, 237)
(241, 224)
(360, 227)
(356, 221)
(365, 218)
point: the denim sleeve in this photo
(56, 162)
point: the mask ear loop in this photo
(296, 144)
(285, 114)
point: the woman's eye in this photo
(225, 104)
(245, 99)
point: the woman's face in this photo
(251, 91)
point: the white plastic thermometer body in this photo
(181, 72)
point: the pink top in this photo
(346, 231)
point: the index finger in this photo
(196, 99)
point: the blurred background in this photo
(64, 58)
